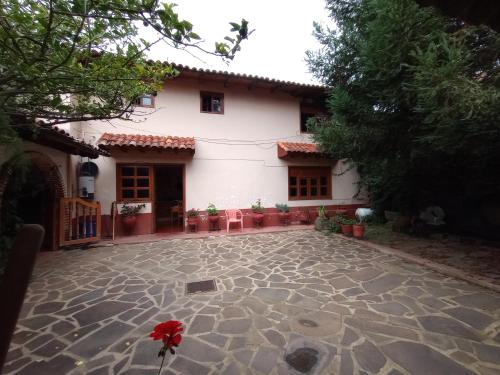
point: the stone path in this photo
(358, 311)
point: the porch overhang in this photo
(58, 139)
(144, 142)
(290, 150)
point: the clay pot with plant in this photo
(213, 213)
(258, 213)
(193, 217)
(358, 230)
(363, 215)
(128, 214)
(321, 222)
(346, 226)
(283, 213)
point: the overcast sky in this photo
(283, 32)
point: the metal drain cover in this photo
(201, 286)
(303, 359)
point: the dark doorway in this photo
(29, 199)
(169, 198)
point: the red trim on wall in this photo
(144, 225)
(145, 222)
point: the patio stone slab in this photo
(473, 318)
(201, 324)
(59, 365)
(265, 360)
(272, 294)
(369, 357)
(100, 339)
(364, 312)
(383, 284)
(234, 326)
(488, 353)
(101, 311)
(392, 308)
(200, 351)
(447, 326)
(420, 359)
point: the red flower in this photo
(169, 333)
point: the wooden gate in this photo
(79, 221)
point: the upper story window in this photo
(146, 100)
(304, 117)
(212, 102)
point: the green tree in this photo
(415, 103)
(77, 60)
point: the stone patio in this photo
(360, 311)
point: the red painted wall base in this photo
(145, 222)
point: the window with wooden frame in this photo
(304, 117)
(309, 183)
(211, 102)
(146, 100)
(134, 182)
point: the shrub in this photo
(212, 210)
(193, 213)
(282, 207)
(257, 207)
(131, 210)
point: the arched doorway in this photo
(30, 194)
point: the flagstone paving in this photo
(356, 311)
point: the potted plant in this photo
(332, 226)
(358, 229)
(257, 213)
(304, 216)
(193, 217)
(363, 215)
(347, 226)
(338, 218)
(129, 213)
(321, 222)
(283, 213)
(213, 213)
(213, 217)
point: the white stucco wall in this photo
(224, 170)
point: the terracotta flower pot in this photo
(213, 218)
(358, 230)
(284, 217)
(129, 223)
(258, 218)
(346, 229)
(193, 220)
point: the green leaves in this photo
(241, 33)
(416, 100)
(235, 26)
(90, 50)
(221, 48)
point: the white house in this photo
(221, 138)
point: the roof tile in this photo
(286, 149)
(299, 147)
(147, 141)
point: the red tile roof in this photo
(54, 137)
(299, 147)
(147, 141)
(181, 67)
(296, 149)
